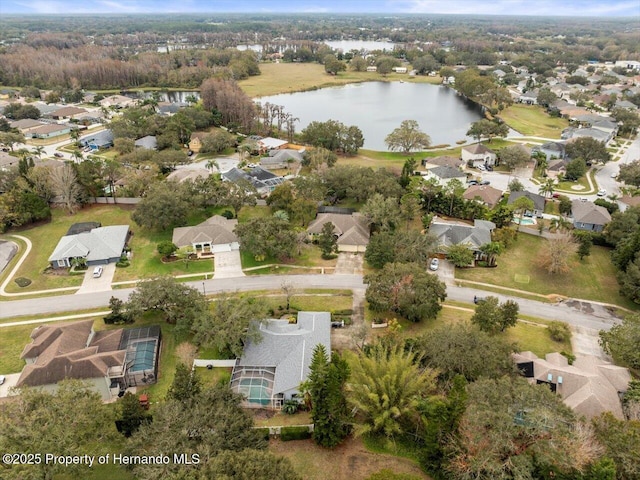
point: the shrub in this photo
(228, 214)
(264, 432)
(570, 356)
(294, 433)
(123, 263)
(290, 407)
(559, 331)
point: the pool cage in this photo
(142, 347)
(256, 385)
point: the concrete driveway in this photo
(101, 284)
(445, 272)
(9, 383)
(227, 265)
(349, 264)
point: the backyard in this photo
(593, 278)
(533, 121)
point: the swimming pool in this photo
(256, 390)
(144, 356)
(525, 221)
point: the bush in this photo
(559, 331)
(123, 263)
(570, 356)
(290, 407)
(264, 433)
(228, 214)
(294, 433)
(22, 282)
(346, 311)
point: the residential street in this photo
(576, 313)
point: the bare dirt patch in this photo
(349, 461)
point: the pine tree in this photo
(186, 384)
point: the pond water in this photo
(167, 96)
(377, 108)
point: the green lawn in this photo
(283, 77)
(12, 342)
(533, 121)
(594, 278)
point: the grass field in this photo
(12, 342)
(533, 121)
(297, 77)
(594, 278)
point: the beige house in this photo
(478, 154)
(590, 386)
(484, 194)
(195, 144)
(352, 231)
(212, 236)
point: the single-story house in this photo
(351, 230)
(26, 124)
(444, 174)
(281, 158)
(538, 202)
(442, 160)
(594, 133)
(372, 68)
(7, 161)
(589, 216)
(171, 108)
(150, 142)
(65, 113)
(263, 180)
(270, 371)
(552, 150)
(399, 69)
(98, 246)
(183, 174)
(484, 194)
(110, 361)
(478, 154)
(269, 143)
(117, 101)
(530, 97)
(98, 140)
(448, 233)
(590, 386)
(216, 234)
(48, 131)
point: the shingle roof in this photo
(590, 385)
(216, 230)
(444, 160)
(538, 200)
(288, 348)
(477, 149)
(100, 243)
(446, 172)
(70, 351)
(451, 233)
(149, 142)
(588, 212)
(487, 194)
(270, 143)
(354, 228)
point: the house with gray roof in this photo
(442, 160)
(109, 361)
(150, 142)
(449, 233)
(262, 180)
(538, 202)
(551, 150)
(216, 234)
(270, 370)
(444, 174)
(98, 140)
(589, 386)
(98, 246)
(351, 230)
(589, 216)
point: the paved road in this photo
(576, 313)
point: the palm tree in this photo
(559, 224)
(492, 250)
(548, 187)
(75, 135)
(212, 163)
(38, 151)
(77, 155)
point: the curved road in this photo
(580, 314)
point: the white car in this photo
(602, 192)
(435, 263)
(2, 379)
(614, 174)
(97, 272)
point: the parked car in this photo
(58, 155)
(489, 168)
(97, 272)
(556, 195)
(2, 379)
(477, 299)
(602, 192)
(614, 174)
(482, 167)
(485, 182)
(472, 182)
(435, 263)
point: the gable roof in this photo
(149, 142)
(489, 195)
(446, 172)
(589, 212)
(288, 347)
(351, 229)
(443, 160)
(184, 174)
(283, 156)
(67, 111)
(260, 178)
(270, 143)
(216, 230)
(70, 350)
(457, 233)
(590, 386)
(538, 200)
(477, 149)
(100, 243)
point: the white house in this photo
(478, 155)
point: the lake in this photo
(377, 108)
(366, 45)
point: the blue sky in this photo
(594, 8)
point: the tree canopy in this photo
(407, 138)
